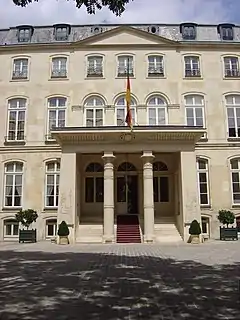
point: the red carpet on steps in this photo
(128, 230)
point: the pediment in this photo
(126, 36)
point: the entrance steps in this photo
(165, 230)
(89, 233)
(128, 230)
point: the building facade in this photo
(65, 149)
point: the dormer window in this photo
(188, 31)
(25, 33)
(61, 32)
(226, 31)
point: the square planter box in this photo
(228, 233)
(28, 235)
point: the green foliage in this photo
(195, 228)
(115, 6)
(26, 217)
(63, 230)
(226, 217)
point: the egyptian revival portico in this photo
(129, 160)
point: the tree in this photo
(26, 217)
(195, 228)
(116, 6)
(226, 217)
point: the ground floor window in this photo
(94, 189)
(161, 189)
(205, 225)
(11, 228)
(51, 227)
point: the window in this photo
(231, 67)
(25, 34)
(155, 66)
(94, 188)
(238, 223)
(192, 66)
(226, 31)
(203, 182)
(194, 106)
(233, 115)
(20, 68)
(125, 65)
(205, 226)
(121, 109)
(13, 184)
(94, 107)
(95, 66)
(16, 119)
(56, 113)
(160, 182)
(11, 228)
(59, 67)
(188, 31)
(51, 228)
(52, 184)
(235, 176)
(61, 32)
(157, 111)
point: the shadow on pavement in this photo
(69, 286)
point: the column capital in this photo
(147, 156)
(108, 157)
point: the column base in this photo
(148, 239)
(108, 239)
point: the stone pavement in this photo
(120, 282)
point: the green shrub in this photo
(195, 228)
(63, 230)
(26, 217)
(226, 217)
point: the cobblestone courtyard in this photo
(46, 281)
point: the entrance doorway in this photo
(127, 189)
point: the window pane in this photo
(234, 164)
(121, 189)
(152, 114)
(202, 177)
(50, 230)
(99, 189)
(15, 229)
(155, 189)
(235, 177)
(164, 189)
(161, 116)
(203, 198)
(236, 197)
(8, 229)
(89, 190)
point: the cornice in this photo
(32, 149)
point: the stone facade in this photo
(62, 109)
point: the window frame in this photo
(231, 72)
(188, 35)
(131, 68)
(222, 30)
(23, 76)
(194, 106)
(193, 72)
(157, 107)
(94, 107)
(231, 179)
(60, 73)
(94, 175)
(234, 107)
(101, 69)
(13, 222)
(49, 221)
(161, 172)
(16, 110)
(56, 177)
(57, 27)
(25, 38)
(57, 109)
(156, 74)
(133, 107)
(206, 172)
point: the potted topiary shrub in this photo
(195, 231)
(227, 217)
(63, 233)
(26, 218)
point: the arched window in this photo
(203, 182)
(16, 119)
(157, 111)
(194, 106)
(126, 167)
(235, 176)
(94, 106)
(13, 184)
(56, 113)
(160, 182)
(11, 228)
(51, 228)
(52, 184)
(121, 108)
(94, 189)
(233, 114)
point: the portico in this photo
(150, 172)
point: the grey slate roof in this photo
(45, 34)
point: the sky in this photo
(48, 12)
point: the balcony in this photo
(194, 73)
(123, 72)
(15, 139)
(59, 73)
(93, 72)
(155, 72)
(19, 75)
(234, 73)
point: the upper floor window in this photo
(25, 33)
(233, 115)
(13, 184)
(56, 113)
(157, 111)
(235, 177)
(59, 67)
(121, 110)
(94, 186)
(94, 107)
(16, 119)
(61, 32)
(155, 66)
(95, 66)
(231, 67)
(192, 66)
(125, 66)
(203, 181)
(194, 106)
(188, 31)
(20, 68)
(52, 184)
(226, 31)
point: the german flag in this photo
(128, 119)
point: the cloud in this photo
(47, 12)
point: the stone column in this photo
(67, 208)
(148, 200)
(190, 208)
(108, 204)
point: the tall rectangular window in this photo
(233, 115)
(20, 68)
(194, 106)
(155, 66)
(13, 184)
(16, 119)
(56, 113)
(231, 67)
(95, 66)
(192, 66)
(203, 181)
(125, 64)
(52, 184)
(59, 67)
